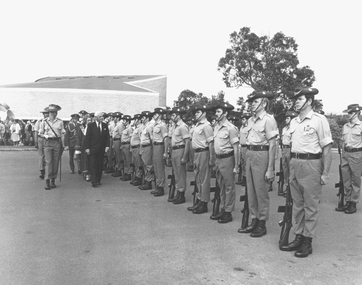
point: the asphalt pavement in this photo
(118, 234)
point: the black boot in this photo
(305, 249)
(126, 177)
(72, 169)
(47, 184)
(138, 181)
(181, 199)
(42, 174)
(160, 192)
(294, 245)
(174, 198)
(226, 218)
(250, 228)
(146, 186)
(218, 216)
(344, 207)
(198, 202)
(351, 208)
(201, 209)
(260, 230)
(52, 183)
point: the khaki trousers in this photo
(159, 165)
(226, 180)
(351, 172)
(127, 158)
(52, 156)
(202, 172)
(179, 169)
(146, 154)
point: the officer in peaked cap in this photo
(52, 131)
(82, 113)
(159, 155)
(135, 149)
(285, 145)
(180, 142)
(242, 140)
(227, 160)
(310, 162)
(39, 142)
(146, 149)
(202, 144)
(70, 139)
(260, 159)
(352, 158)
(126, 147)
(116, 144)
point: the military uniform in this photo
(126, 150)
(242, 140)
(116, 140)
(135, 149)
(70, 140)
(39, 143)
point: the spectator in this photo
(2, 133)
(15, 132)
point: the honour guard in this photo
(260, 158)
(70, 139)
(227, 160)
(116, 146)
(52, 131)
(160, 146)
(39, 142)
(135, 149)
(310, 162)
(352, 158)
(125, 147)
(204, 158)
(180, 146)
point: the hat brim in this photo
(352, 110)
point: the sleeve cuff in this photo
(272, 134)
(234, 140)
(210, 139)
(326, 141)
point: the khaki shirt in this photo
(242, 135)
(225, 135)
(57, 126)
(191, 131)
(310, 135)
(159, 132)
(286, 135)
(261, 129)
(352, 135)
(38, 125)
(111, 126)
(179, 134)
(135, 137)
(146, 134)
(126, 134)
(117, 131)
(202, 134)
(171, 128)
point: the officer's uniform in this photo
(160, 133)
(352, 161)
(135, 149)
(225, 136)
(52, 145)
(40, 144)
(70, 140)
(126, 150)
(117, 136)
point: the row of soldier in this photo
(306, 155)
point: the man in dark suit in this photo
(96, 144)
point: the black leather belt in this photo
(350, 149)
(178, 146)
(285, 146)
(158, 143)
(135, 146)
(244, 145)
(225, 155)
(51, 139)
(258, 147)
(117, 139)
(124, 143)
(146, 145)
(306, 155)
(201, 149)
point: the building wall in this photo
(26, 103)
(155, 84)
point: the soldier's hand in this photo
(183, 160)
(66, 148)
(236, 170)
(87, 151)
(107, 148)
(324, 179)
(269, 175)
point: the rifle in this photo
(172, 186)
(216, 200)
(340, 185)
(245, 210)
(240, 175)
(286, 223)
(196, 190)
(281, 176)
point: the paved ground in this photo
(117, 234)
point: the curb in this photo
(18, 149)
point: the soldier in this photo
(160, 146)
(70, 139)
(227, 160)
(242, 139)
(352, 158)
(285, 145)
(204, 158)
(110, 153)
(135, 149)
(311, 160)
(260, 158)
(52, 131)
(190, 164)
(125, 147)
(116, 146)
(180, 145)
(146, 149)
(39, 142)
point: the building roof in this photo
(117, 83)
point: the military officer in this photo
(160, 146)
(227, 160)
(310, 162)
(39, 142)
(116, 139)
(125, 147)
(204, 158)
(260, 159)
(180, 142)
(135, 149)
(285, 145)
(352, 158)
(146, 149)
(52, 131)
(70, 139)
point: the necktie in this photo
(100, 127)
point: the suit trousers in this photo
(96, 166)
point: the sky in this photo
(182, 39)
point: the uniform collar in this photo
(201, 122)
(261, 116)
(358, 122)
(308, 116)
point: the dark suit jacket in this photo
(95, 140)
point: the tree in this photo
(265, 64)
(188, 98)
